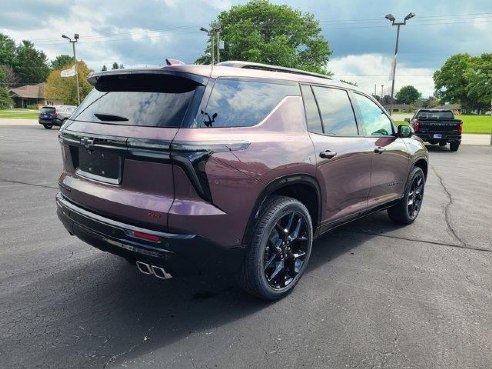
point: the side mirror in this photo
(407, 120)
(404, 131)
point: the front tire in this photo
(408, 208)
(47, 126)
(280, 246)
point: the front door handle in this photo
(327, 154)
(379, 150)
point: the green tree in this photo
(8, 52)
(115, 66)
(479, 76)
(259, 31)
(104, 68)
(65, 89)
(5, 99)
(465, 80)
(408, 95)
(61, 62)
(32, 65)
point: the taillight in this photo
(54, 115)
(416, 125)
(460, 126)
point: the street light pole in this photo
(76, 37)
(212, 50)
(398, 24)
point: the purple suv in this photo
(235, 168)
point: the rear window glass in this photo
(47, 110)
(436, 115)
(139, 100)
(243, 102)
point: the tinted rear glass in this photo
(437, 115)
(244, 102)
(47, 110)
(140, 100)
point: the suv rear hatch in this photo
(116, 146)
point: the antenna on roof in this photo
(170, 61)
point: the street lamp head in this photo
(390, 17)
(65, 36)
(76, 36)
(204, 30)
(410, 15)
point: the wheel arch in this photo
(304, 188)
(422, 164)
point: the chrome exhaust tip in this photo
(144, 267)
(160, 272)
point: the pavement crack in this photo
(27, 184)
(446, 209)
(459, 246)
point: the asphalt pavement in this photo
(375, 295)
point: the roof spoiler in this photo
(268, 67)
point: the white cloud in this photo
(370, 69)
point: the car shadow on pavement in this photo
(109, 313)
(147, 314)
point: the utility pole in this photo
(76, 37)
(382, 92)
(211, 33)
(398, 24)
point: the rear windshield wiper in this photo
(110, 117)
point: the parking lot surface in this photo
(375, 295)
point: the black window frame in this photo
(355, 104)
(356, 117)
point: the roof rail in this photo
(268, 67)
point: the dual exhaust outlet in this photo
(149, 269)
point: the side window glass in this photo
(374, 120)
(244, 103)
(312, 112)
(336, 110)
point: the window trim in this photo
(359, 115)
(321, 117)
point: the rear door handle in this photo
(379, 150)
(327, 154)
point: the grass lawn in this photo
(472, 123)
(19, 114)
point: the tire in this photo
(408, 208)
(47, 126)
(279, 249)
(454, 146)
(442, 143)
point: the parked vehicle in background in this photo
(232, 169)
(50, 116)
(438, 126)
(63, 113)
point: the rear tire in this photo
(279, 249)
(454, 146)
(47, 126)
(408, 208)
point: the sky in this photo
(145, 33)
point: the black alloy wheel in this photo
(415, 196)
(279, 248)
(408, 208)
(286, 250)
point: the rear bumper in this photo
(444, 136)
(180, 254)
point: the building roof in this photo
(28, 91)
